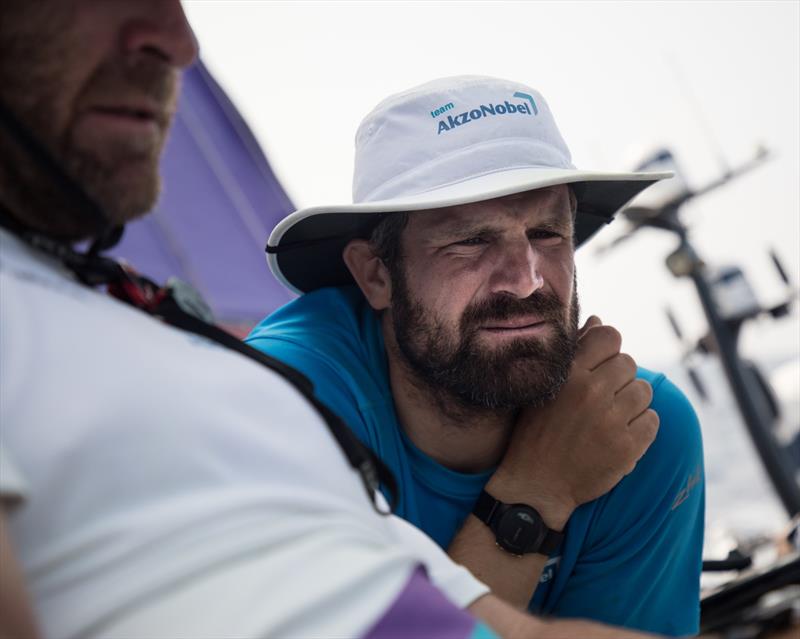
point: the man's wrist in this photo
(554, 510)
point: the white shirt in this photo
(176, 488)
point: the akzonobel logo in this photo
(449, 123)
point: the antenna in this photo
(697, 111)
(688, 356)
(779, 267)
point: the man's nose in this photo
(518, 271)
(160, 28)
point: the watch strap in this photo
(489, 510)
(552, 540)
(486, 507)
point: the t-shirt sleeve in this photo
(455, 581)
(641, 562)
(262, 530)
(420, 610)
(295, 551)
(381, 596)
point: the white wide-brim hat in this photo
(451, 141)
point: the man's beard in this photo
(33, 60)
(100, 175)
(521, 372)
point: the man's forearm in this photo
(513, 578)
(565, 453)
(510, 577)
(511, 623)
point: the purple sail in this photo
(219, 202)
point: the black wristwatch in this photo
(518, 528)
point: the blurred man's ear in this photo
(369, 272)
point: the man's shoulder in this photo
(656, 379)
(675, 458)
(313, 315)
(334, 338)
(674, 409)
(332, 325)
(633, 556)
(670, 471)
(654, 515)
(33, 271)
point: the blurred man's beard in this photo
(522, 372)
(121, 177)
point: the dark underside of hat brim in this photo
(310, 252)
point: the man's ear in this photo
(369, 272)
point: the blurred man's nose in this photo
(160, 28)
(517, 273)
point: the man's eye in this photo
(544, 234)
(471, 241)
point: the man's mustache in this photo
(502, 307)
(124, 80)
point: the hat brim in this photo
(304, 251)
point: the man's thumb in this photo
(590, 323)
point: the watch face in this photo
(520, 530)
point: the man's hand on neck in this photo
(579, 446)
(554, 458)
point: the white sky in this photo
(701, 77)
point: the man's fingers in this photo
(597, 345)
(643, 429)
(634, 398)
(617, 371)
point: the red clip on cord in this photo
(137, 291)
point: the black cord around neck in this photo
(90, 267)
(93, 269)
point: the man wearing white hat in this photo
(439, 318)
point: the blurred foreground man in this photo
(174, 483)
(440, 320)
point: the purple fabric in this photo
(421, 610)
(220, 200)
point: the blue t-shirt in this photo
(630, 558)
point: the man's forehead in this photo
(552, 203)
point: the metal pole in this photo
(753, 407)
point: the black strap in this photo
(488, 510)
(93, 269)
(484, 507)
(552, 540)
(372, 470)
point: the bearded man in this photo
(439, 318)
